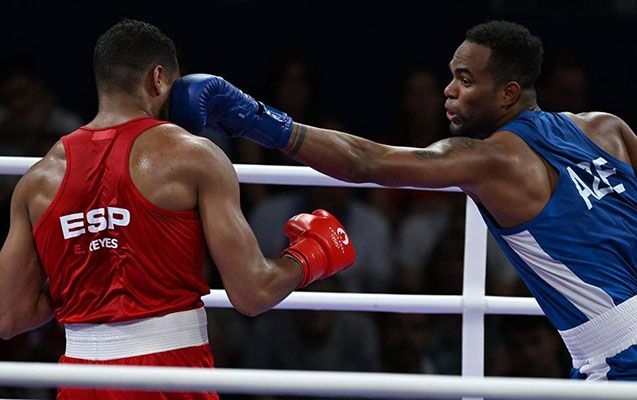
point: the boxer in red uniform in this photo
(109, 231)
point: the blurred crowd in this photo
(408, 242)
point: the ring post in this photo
(473, 293)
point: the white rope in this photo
(400, 303)
(16, 165)
(247, 173)
(332, 384)
(305, 176)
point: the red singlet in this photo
(110, 254)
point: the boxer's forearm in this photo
(340, 155)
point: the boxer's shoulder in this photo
(40, 183)
(172, 141)
(48, 170)
(172, 149)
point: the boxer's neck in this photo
(117, 108)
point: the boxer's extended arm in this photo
(457, 161)
(25, 301)
(255, 284)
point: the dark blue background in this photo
(358, 49)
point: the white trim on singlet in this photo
(589, 299)
(138, 337)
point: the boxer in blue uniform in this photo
(557, 190)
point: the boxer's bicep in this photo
(230, 239)
(458, 161)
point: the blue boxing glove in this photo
(201, 101)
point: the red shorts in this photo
(198, 357)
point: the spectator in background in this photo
(314, 340)
(502, 280)
(418, 236)
(419, 121)
(31, 118)
(529, 347)
(440, 273)
(292, 86)
(405, 343)
(564, 84)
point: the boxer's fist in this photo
(319, 244)
(201, 100)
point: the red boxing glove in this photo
(319, 244)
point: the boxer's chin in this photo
(457, 127)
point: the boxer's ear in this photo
(161, 82)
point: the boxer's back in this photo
(115, 223)
(160, 166)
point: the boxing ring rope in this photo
(329, 384)
(248, 173)
(473, 305)
(397, 303)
